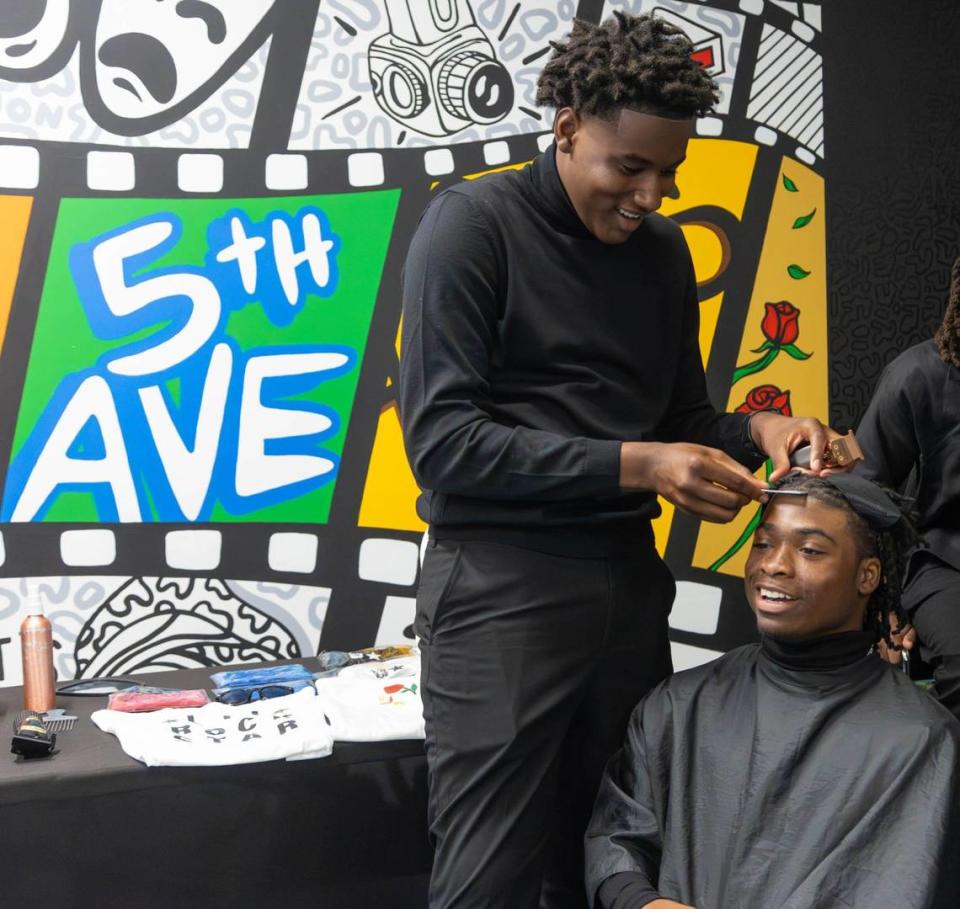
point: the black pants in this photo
(531, 666)
(932, 599)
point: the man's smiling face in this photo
(806, 576)
(617, 171)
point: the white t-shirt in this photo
(293, 726)
(374, 702)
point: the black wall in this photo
(892, 111)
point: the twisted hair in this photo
(948, 334)
(891, 545)
(639, 62)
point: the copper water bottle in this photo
(36, 645)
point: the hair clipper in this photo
(31, 738)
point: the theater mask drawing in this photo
(35, 38)
(149, 62)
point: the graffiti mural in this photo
(160, 393)
(206, 210)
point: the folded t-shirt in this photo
(293, 726)
(374, 702)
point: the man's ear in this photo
(565, 126)
(869, 575)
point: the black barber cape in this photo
(811, 776)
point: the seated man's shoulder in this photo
(725, 667)
(917, 710)
(698, 691)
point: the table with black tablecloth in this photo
(90, 826)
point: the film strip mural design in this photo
(205, 221)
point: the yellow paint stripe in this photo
(14, 216)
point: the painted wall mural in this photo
(206, 207)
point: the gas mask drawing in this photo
(435, 71)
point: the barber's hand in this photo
(904, 638)
(702, 481)
(667, 904)
(778, 436)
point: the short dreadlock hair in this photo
(639, 62)
(948, 334)
(891, 545)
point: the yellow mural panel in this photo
(14, 216)
(709, 315)
(783, 353)
(716, 172)
(709, 251)
(390, 492)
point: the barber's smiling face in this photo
(617, 171)
(805, 577)
(149, 55)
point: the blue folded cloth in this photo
(251, 678)
(235, 696)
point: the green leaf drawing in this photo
(765, 346)
(796, 272)
(790, 186)
(748, 369)
(747, 531)
(796, 352)
(804, 220)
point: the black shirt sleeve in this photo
(888, 432)
(625, 890)
(450, 294)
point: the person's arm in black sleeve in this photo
(450, 297)
(888, 431)
(691, 416)
(623, 844)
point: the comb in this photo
(56, 720)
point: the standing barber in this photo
(551, 386)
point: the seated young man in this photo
(803, 772)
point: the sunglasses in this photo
(235, 696)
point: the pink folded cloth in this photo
(141, 701)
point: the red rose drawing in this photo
(766, 397)
(781, 328)
(781, 323)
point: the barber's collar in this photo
(546, 191)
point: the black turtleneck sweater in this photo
(801, 776)
(531, 350)
(913, 423)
